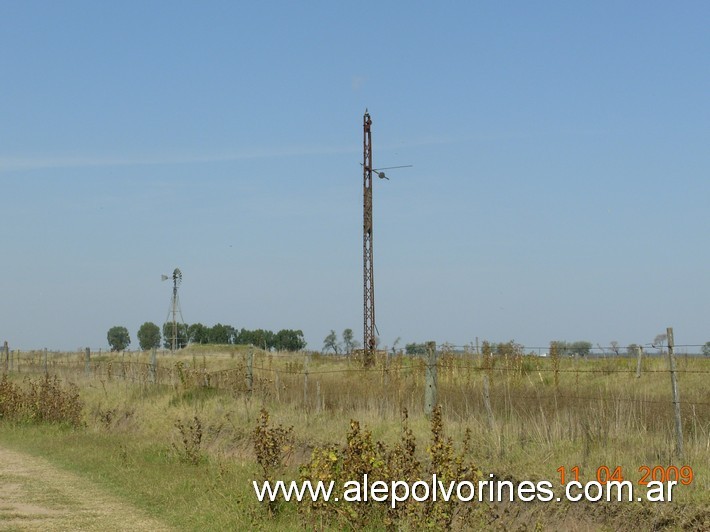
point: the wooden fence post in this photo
(250, 370)
(153, 368)
(305, 379)
(6, 352)
(87, 361)
(45, 361)
(676, 395)
(430, 384)
(639, 354)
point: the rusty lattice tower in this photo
(367, 258)
(175, 310)
(370, 328)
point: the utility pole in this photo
(368, 267)
(370, 327)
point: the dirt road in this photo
(35, 495)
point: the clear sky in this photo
(560, 186)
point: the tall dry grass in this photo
(547, 413)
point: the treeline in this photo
(581, 348)
(197, 333)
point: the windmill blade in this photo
(164, 277)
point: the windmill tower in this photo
(174, 311)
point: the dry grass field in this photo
(177, 441)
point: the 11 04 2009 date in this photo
(646, 474)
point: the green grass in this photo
(215, 495)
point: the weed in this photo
(362, 456)
(44, 400)
(272, 446)
(191, 437)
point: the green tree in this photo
(221, 334)
(348, 341)
(149, 336)
(561, 348)
(415, 349)
(182, 335)
(118, 338)
(289, 340)
(581, 349)
(198, 333)
(331, 343)
(706, 349)
(259, 338)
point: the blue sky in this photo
(559, 190)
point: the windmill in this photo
(174, 309)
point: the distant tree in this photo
(182, 336)
(580, 349)
(563, 348)
(659, 342)
(118, 338)
(348, 340)
(615, 347)
(198, 333)
(220, 334)
(415, 349)
(265, 339)
(631, 350)
(149, 336)
(331, 343)
(246, 337)
(508, 349)
(259, 338)
(706, 349)
(289, 340)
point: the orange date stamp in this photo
(605, 474)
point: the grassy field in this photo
(178, 441)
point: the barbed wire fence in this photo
(462, 378)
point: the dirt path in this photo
(35, 495)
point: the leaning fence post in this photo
(639, 354)
(430, 384)
(676, 395)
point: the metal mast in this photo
(174, 308)
(368, 268)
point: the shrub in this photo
(43, 400)
(361, 455)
